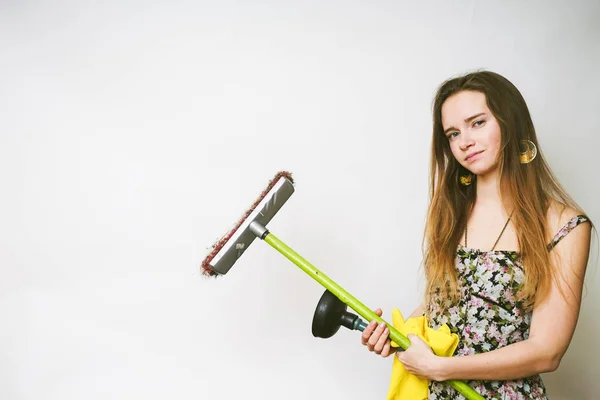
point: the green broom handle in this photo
(356, 305)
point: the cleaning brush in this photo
(227, 250)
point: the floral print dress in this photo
(488, 317)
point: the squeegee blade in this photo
(243, 237)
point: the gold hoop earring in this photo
(466, 180)
(528, 151)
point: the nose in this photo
(465, 141)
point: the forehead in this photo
(462, 105)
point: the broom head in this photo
(226, 251)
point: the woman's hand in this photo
(375, 337)
(421, 361)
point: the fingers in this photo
(375, 337)
(387, 349)
(366, 334)
(378, 339)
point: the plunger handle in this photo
(462, 387)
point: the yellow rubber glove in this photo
(403, 384)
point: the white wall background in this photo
(133, 135)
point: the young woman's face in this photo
(472, 131)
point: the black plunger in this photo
(330, 314)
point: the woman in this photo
(506, 248)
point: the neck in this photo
(488, 189)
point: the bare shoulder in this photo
(559, 215)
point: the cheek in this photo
(495, 136)
(456, 151)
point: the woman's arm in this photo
(418, 311)
(552, 327)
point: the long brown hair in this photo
(527, 190)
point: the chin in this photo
(483, 171)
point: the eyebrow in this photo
(466, 120)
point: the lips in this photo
(470, 156)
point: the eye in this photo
(452, 135)
(479, 122)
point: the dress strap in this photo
(499, 236)
(568, 227)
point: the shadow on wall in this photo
(578, 372)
